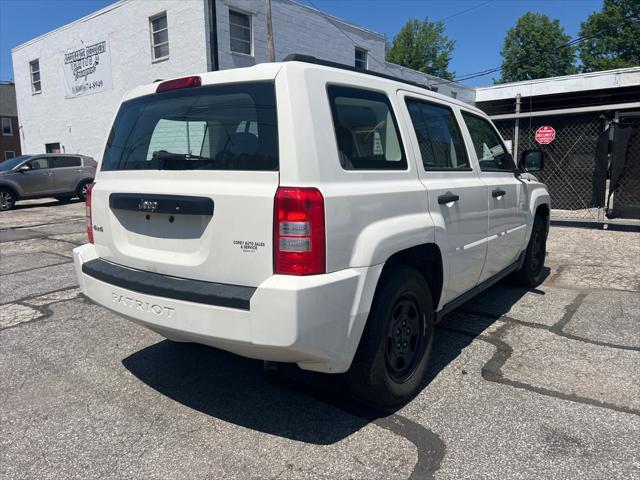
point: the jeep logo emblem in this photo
(147, 205)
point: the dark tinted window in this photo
(366, 130)
(225, 127)
(39, 163)
(491, 152)
(439, 137)
(60, 162)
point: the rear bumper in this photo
(314, 321)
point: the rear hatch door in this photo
(187, 184)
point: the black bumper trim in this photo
(197, 291)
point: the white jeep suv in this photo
(306, 212)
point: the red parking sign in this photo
(545, 135)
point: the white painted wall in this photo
(81, 124)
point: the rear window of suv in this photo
(221, 127)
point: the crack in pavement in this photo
(492, 370)
(557, 328)
(37, 268)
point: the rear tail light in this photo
(88, 207)
(178, 83)
(298, 232)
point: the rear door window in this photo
(439, 137)
(61, 162)
(366, 130)
(220, 127)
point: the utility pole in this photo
(271, 53)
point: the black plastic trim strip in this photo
(150, 283)
(154, 203)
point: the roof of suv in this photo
(268, 71)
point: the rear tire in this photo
(7, 199)
(394, 350)
(81, 192)
(531, 273)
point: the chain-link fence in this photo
(570, 171)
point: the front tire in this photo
(7, 199)
(532, 272)
(394, 350)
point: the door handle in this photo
(498, 193)
(448, 198)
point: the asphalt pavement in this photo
(523, 384)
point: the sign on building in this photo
(87, 69)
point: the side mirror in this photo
(532, 160)
(24, 168)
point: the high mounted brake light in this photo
(178, 83)
(299, 231)
(88, 209)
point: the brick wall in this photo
(10, 142)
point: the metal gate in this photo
(624, 195)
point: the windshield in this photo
(223, 127)
(13, 162)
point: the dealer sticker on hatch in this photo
(248, 246)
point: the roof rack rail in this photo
(298, 57)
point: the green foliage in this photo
(422, 46)
(612, 38)
(534, 49)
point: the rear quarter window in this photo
(366, 130)
(219, 127)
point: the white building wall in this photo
(81, 124)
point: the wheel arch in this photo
(427, 259)
(12, 189)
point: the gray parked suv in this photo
(50, 175)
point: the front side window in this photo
(240, 32)
(159, 37)
(34, 69)
(492, 154)
(361, 58)
(61, 162)
(7, 127)
(439, 137)
(39, 163)
(366, 131)
(221, 127)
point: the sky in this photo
(478, 33)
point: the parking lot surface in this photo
(523, 384)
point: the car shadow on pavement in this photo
(238, 390)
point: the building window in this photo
(159, 37)
(34, 67)
(52, 147)
(7, 127)
(240, 32)
(8, 154)
(361, 58)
